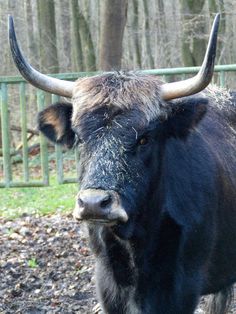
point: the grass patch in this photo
(40, 200)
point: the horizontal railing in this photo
(6, 82)
(167, 71)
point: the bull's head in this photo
(121, 122)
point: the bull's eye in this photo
(143, 140)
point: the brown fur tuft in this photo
(52, 118)
(121, 90)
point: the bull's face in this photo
(116, 166)
(121, 137)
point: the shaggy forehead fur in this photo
(124, 91)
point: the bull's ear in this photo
(185, 116)
(55, 123)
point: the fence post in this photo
(43, 141)
(59, 154)
(5, 136)
(222, 79)
(24, 131)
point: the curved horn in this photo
(202, 79)
(42, 81)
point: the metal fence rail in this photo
(6, 82)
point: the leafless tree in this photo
(114, 16)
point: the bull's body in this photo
(178, 190)
(181, 242)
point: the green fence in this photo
(19, 83)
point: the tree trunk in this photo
(163, 33)
(47, 40)
(31, 40)
(135, 26)
(148, 34)
(77, 53)
(63, 21)
(33, 52)
(193, 41)
(87, 43)
(47, 34)
(213, 9)
(114, 14)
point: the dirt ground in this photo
(47, 267)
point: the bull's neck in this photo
(129, 255)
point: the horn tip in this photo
(11, 28)
(10, 21)
(217, 19)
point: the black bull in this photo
(158, 183)
(175, 180)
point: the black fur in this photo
(185, 116)
(179, 191)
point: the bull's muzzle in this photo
(99, 206)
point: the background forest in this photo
(69, 35)
(46, 265)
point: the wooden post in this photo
(5, 136)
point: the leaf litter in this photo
(47, 267)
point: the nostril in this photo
(106, 201)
